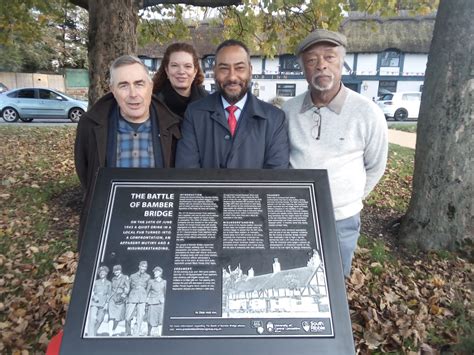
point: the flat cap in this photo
(157, 268)
(104, 268)
(143, 263)
(318, 36)
(117, 267)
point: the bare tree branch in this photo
(146, 3)
(208, 3)
(81, 3)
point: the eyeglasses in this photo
(316, 130)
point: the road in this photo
(66, 122)
(40, 123)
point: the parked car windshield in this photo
(385, 97)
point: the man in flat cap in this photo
(137, 298)
(334, 128)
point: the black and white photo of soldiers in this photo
(137, 297)
(100, 295)
(118, 299)
(156, 291)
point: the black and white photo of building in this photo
(282, 293)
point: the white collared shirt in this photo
(240, 106)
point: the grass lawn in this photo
(411, 127)
(401, 301)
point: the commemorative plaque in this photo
(209, 262)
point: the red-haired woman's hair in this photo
(161, 78)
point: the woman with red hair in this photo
(179, 79)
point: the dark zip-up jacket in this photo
(90, 150)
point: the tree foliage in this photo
(113, 32)
(267, 26)
(172, 25)
(42, 35)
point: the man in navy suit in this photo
(232, 128)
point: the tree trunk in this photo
(112, 32)
(440, 214)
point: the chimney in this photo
(276, 266)
(251, 272)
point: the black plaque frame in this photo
(341, 343)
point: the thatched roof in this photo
(375, 34)
(366, 34)
(299, 277)
(205, 38)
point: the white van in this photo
(400, 105)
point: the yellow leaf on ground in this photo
(412, 302)
(438, 281)
(67, 279)
(5, 325)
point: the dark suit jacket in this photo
(260, 140)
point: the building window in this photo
(289, 63)
(148, 63)
(387, 86)
(213, 88)
(390, 58)
(286, 90)
(208, 63)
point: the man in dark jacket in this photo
(232, 128)
(125, 128)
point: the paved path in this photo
(405, 139)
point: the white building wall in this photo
(367, 64)
(272, 65)
(409, 85)
(369, 89)
(349, 59)
(268, 88)
(301, 86)
(389, 71)
(207, 84)
(256, 65)
(414, 64)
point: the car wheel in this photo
(400, 115)
(26, 119)
(9, 114)
(75, 114)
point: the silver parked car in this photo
(29, 103)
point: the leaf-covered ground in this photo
(401, 301)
